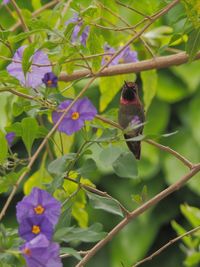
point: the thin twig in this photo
(100, 193)
(172, 241)
(36, 13)
(134, 214)
(18, 11)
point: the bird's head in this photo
(129, 92)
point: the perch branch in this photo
(134, 214)
(172, 241)
(155, 63)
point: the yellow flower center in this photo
(107, 58)
(121, 60)
(36, 229)
(49, 82)
(75, 115)
(39, 209)
(27, 251)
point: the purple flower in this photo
(81, 111)
(109, 51)
(40, 252)
(6, 2)
(30, 227)
(10, 137)
(35, 74)
(127, 56)
(39, 202)
(50, 79)
(75, 34)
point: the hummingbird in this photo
(131, 113)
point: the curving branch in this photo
(155, 63)
(171, 242)
(134, 214)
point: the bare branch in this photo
(155, 63)
(172, 241)
(134, 214)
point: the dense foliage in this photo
(48, 51)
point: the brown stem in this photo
(146, 206)
(36, 13)
(172, 241)
(18, 11)
(155, 63)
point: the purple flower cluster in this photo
(74, 120)
(37, 214)
(78, 24)
(126, 56)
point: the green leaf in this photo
(70, 251)
(29, 132)
(88, 169)
(36, 4)
(193, 259)
(192, 214)
(95, 38)
(125, 166)
(21, 36)
(180, 231)
(149, 80)
(59, 166)
(193, 43)
(91, 234)
(26, 58)
(104, 203)
(4, 147)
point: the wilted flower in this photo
(10, 137)
(39, 202)
(35, 74)
(50, 79)
(128, 56)
(79, 22)
(30, 227)
(74, 120)
(109, 51)
(40, 252)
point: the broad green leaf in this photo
(70, 251)
(91, 234)
(88, 169)
(59, 166)
(23, 35)
(104, 203)
(29, 132)
(36, 4)
(170, 89)
(38, 179)
(26, 58)
(4, 147)
(193, 43)
(95, 38)
(149, 80)
(193, 259)
(180, 231)
(125, 166)
(79, 213)
(192, 214)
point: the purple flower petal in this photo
(82, 110)
(84, 35)
(40, 252)
(50, 80)
(35, 74)
(10, 137)
(6, 2)
(30, 227)
(39, 202)
(110, 50)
